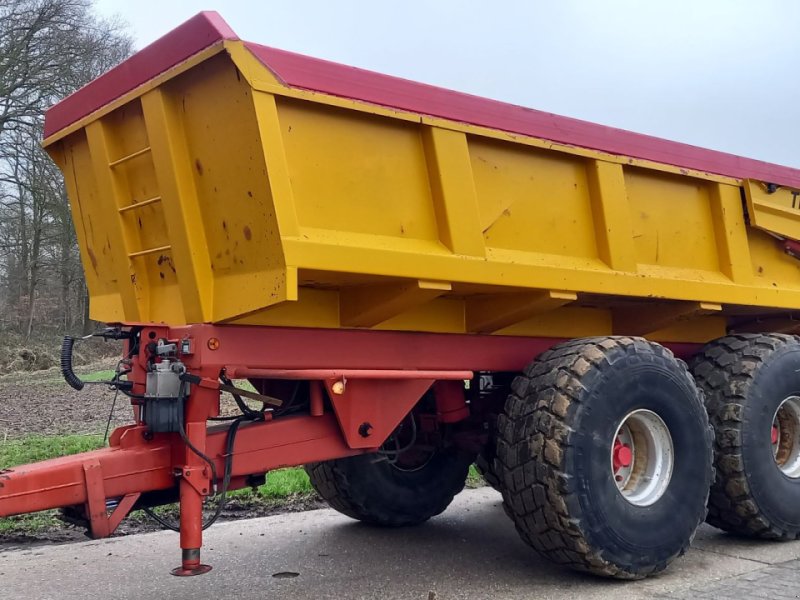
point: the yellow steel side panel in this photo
(772, 267)
(178, 201)
(232, 187)
(145, 227)
(775, 210)
(453, 191)
(612, 215)
(94, 238)
(197, 198)
(672, 222)
(730, 231)
(358, 173)
(532, 200)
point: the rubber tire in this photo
(554, 445)
(375, 492)
(484, 463)
(745, 377)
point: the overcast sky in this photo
(724, 74)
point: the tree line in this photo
(48, 49)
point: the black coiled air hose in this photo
(66, 364)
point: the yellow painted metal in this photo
(492, 312)
(216, 194)
(775, 210)
(370, 305)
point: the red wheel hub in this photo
(622, 455)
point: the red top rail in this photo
(304, 72)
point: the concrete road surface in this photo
(471, 551)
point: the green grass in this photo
(31, 449)
(282, 483)
(245, 385)
(30, 524)
(53, 376)
(106, 375)
(39, 447)
(474, 479)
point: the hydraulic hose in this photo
(66, 364)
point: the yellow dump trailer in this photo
(381, 259)
(243, 184)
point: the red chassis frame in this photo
(372, 378)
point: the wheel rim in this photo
(785, 437)
(642, 457)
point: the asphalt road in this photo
(471, 551)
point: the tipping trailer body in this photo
(216, 180)
(359, 246)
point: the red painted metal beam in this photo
(62, 481)
(244, 349)
(289, 348)
(318, 374)
(139, 465)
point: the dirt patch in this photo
(41, 403)
(18, 354)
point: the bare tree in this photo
(48, 49)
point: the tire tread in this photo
(725, 369)
(351, 493)
(537, 491)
